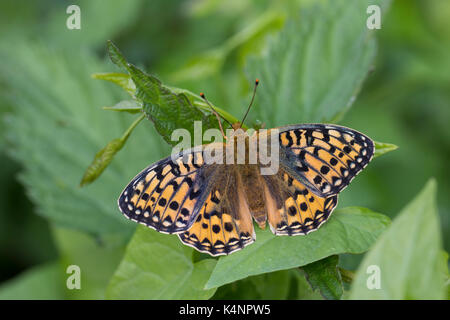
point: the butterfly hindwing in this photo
(324, 157)
(167, 195)
(292, 208)
(224, 223)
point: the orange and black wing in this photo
(224, 223)
(168, 195)
(325, 158)
(291, 208)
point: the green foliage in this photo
(313, 69)
(325, 276)
(408, 255)
(382, 148)
(55, 130)
(275, 285)
(97, 258)
(349, 230)
(29, 285)
(167, 110)
(157, 266)
(310, 71)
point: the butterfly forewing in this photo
(324, 157)
(168, 195)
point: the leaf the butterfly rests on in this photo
(211, 206)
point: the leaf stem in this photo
(131, 128)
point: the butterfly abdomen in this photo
(254, 191)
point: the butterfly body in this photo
(211, 206)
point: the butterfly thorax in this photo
(246, 165)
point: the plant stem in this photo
(133, 125)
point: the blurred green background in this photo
(405, 100)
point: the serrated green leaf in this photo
(158, 266)
(167, 110)
(323, 275)
(103, 158)
(116, 56)
(99, 21)
(382, 148)
(272, 286)
(123, 80)
(408, 255)
(349, 230)
(312, 71)
(57, 127)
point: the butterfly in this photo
(211, 206)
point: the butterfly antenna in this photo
(251, 102)
(215, 113)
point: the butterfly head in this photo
(237, 125)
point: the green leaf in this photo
(123, 80)
(268, 286)
(350, 230)
(105, 155)
(57, 127)
(43, 282)
(382, 148)
(303, 290)
(324, 276)
(116, 56)
(408, 255)
(158, 266)
(312, 71)
(97, 259)
(272, 286)
(165, 108)
(129, 106)
(209, 63)
(99, 21)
